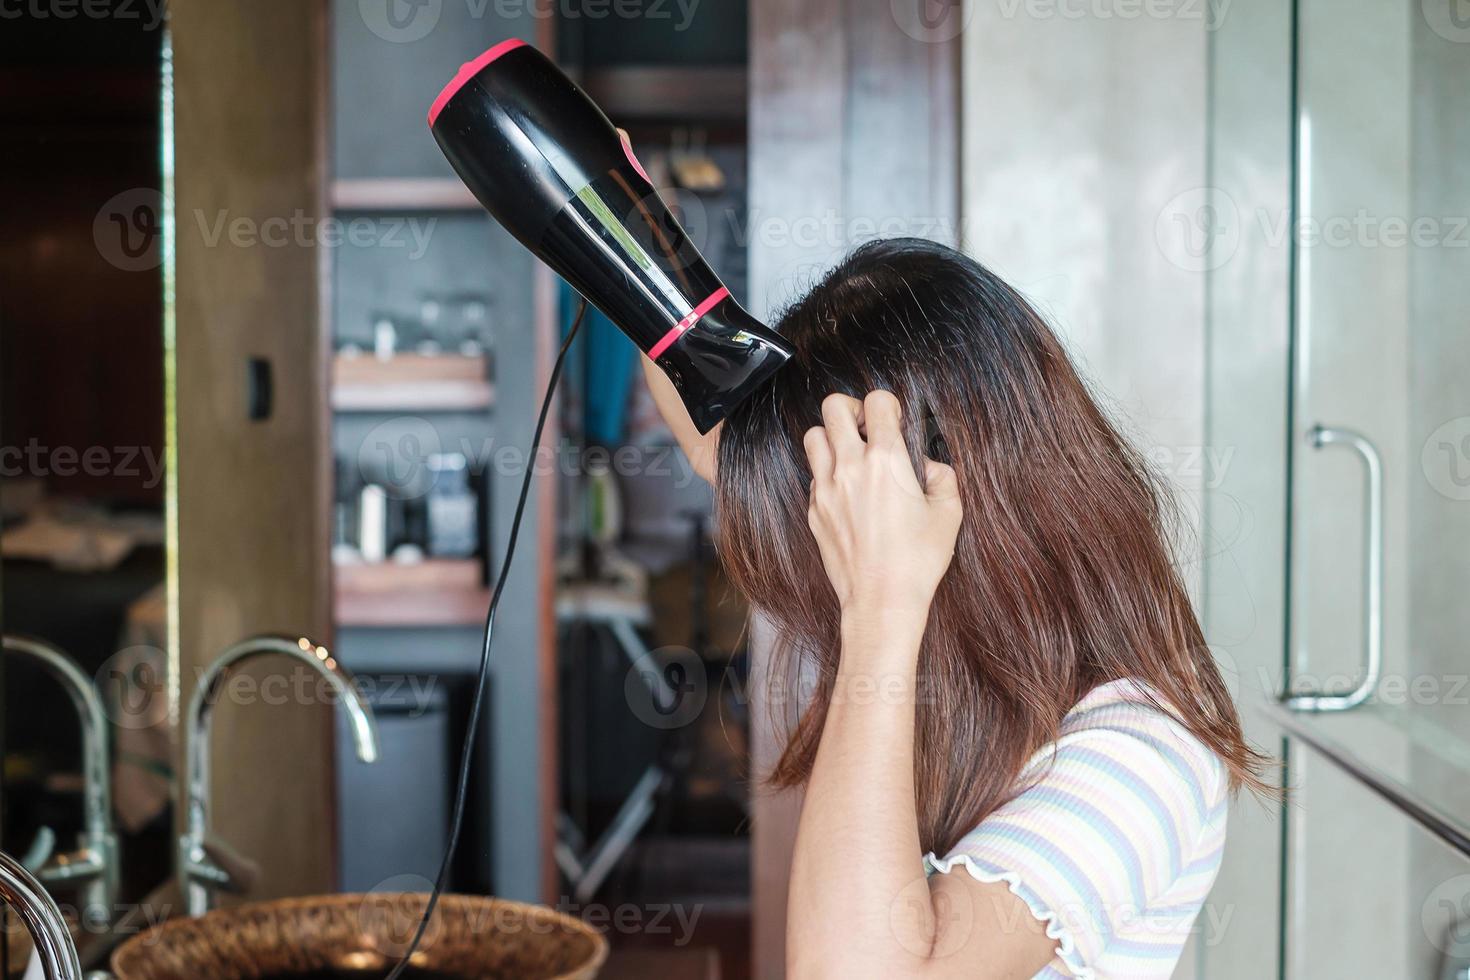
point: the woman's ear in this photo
(701, 449)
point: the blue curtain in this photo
(610, 360)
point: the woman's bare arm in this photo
(700, 449)
(859, 903)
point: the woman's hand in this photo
(886, 543)
(885, 540)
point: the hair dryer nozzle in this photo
(721, 359)
(550, 167)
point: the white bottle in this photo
(385, 339)
(372, 523)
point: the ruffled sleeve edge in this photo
(1056, 931)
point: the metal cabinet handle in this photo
(1320, 438)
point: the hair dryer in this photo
(549, 166)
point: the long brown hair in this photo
(1062, 577)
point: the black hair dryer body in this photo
(550, 167)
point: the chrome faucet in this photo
(93, 866)
(37, 910)
(200, 872)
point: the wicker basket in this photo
(348, 936)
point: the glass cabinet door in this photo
(1379, 478)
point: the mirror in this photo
(83, 477)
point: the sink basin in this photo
(357, 937)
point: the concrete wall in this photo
(1083, 137)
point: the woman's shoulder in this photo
(1126, 724)
(1114, 836)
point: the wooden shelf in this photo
(433, 592)
(410, 383)
(403, 194)
(707, 94)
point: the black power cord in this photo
(467, 752)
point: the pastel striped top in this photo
(1115, 841)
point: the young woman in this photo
(1017, 751)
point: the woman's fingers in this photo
(940, 482)
(885, 528)
(841, 415)
(852, 426)
(818, 453)
(882, 415)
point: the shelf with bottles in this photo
(439, 361)
(408, 544)
(431, 592)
